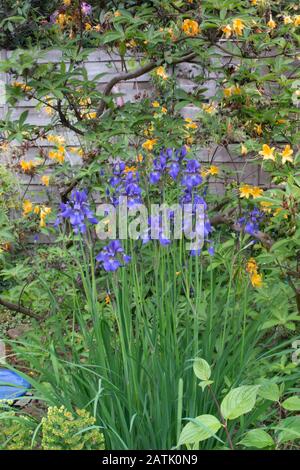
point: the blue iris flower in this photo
(77, 211)
(112, 256)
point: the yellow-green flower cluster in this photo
(63, 430)
(15, 431)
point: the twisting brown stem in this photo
(223, 420)
(19, 309)
(124, 76)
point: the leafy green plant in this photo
(117, 344)
(63, 430)
(16, 432)
(236, 403)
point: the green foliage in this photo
(16, 431)
(60, 430)
(118, 347)
(236, 403)
(199, 429)
(239, 401)
(258, 439)
(63, 430)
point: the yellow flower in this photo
(245, 191)
(256, 280)
(148, 145)
(258, 129)
(97, 28)
(251, 266)
(267, 152)
(149, 130)
(130, 169)
(60, 157)
(278, 211)
(297, 20)
(189, 141)
(107, 299)
(23, 86)
(252, 269)
(61, 20)
(161, 72)
(57, 155)
(27, 167)
(52, 154)
(209, 108)
(36, 210)
(56, 139)
(287, 154)
(244, 150)
(67, 3)
(88, 26)
(117, 13)
(43, 214)
(155, 104)
(213, 170)
(132, 43)
(237, 90)
(227, 30)
(164, 110)
(49, 110)
(271, 23)
(266, 206)
(256, 192)
(238, 26)
(190, 124)
(287, 20)
(27, 207)
(85, 101)
(92, 115)
(227, 92)
(190, 27)
(45, 180)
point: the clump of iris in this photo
(112, 256)
(77, 211)
(168, 161)
(187, 172)
(124, 183)
(250, 221)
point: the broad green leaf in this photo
(269, 391)
(202, 369)
(292, 404)
(112, 36)
(257, 438)
(288, 429)
(239, 401)
(201, 428)
(204, 383)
